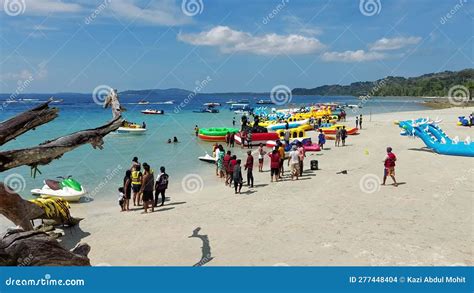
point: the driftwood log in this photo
(36, 246)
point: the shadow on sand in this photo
(205, 249)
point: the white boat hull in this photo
(130, 130)
(66, 193)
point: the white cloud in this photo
(393, 43)
(164, 12)
(229, 41)
(352, 56)
(41, 7)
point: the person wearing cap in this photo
(389, 167)
(294, 162)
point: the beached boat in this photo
(153, 112)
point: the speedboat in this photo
(68, 189)
(265, 102)
(153, 111)
(211, 104)
(143, 102)
(207, 158)
(128, 127)
(231, 102)
(209, 109)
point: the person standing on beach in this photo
(134, 163)
(231, 166)
(237, 177)
(357, 121)
(261, 155)
(249, 140)
(294, 163)
(161, 185)
(302, 155)
(338, 137)
(227, 139)
(389, 167)
(220, 161)
(287, 135)
(281, 152)
(232, 140)
(136, 183)
(343, 135)
(274, 164)
(321, 139)
(243, 137)
(226, 161)
(360, 121)
(127, 189)
(147, 188)
(249, 168)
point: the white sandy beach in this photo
(323, 219)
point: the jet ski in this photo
(68, 189)
(207, 158)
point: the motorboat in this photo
(212, 104)
(265, 102)
(143, 102)
(153, 112)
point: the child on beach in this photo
(321, 139)
(261, 154)
(121, 199)
(220, 153)
(274, 164)
(237, 174)
(389, 167)
(249, 168)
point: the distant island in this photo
(427, 85)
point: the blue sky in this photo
(75, 46)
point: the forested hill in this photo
(428, 85)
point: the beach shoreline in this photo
(323, 219)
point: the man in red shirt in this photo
(230, 170)
(226, 162)
(249, 168)
(274, 164)
(389, 167)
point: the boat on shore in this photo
(153, 112)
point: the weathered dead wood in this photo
(54, 149)
(35, 248)
(28, 120)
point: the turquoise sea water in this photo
(101, 171)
